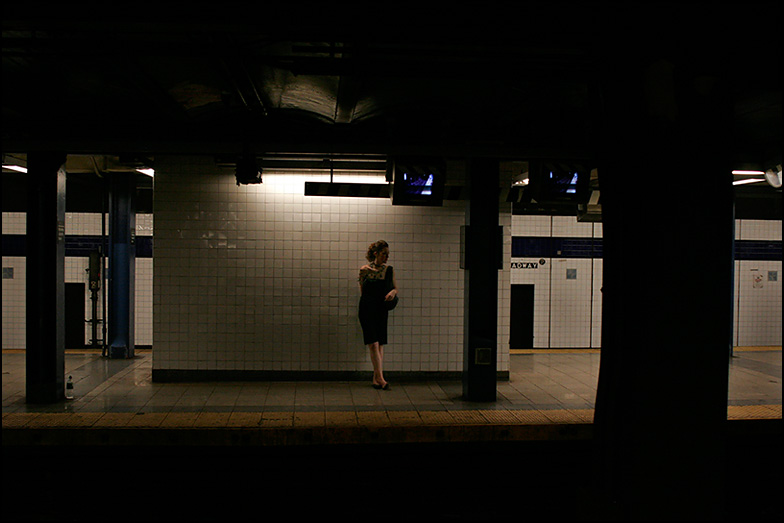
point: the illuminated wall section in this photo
(260, 279)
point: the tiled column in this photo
(45, 280)
(483, 249)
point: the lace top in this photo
(372, 272)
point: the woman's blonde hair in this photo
(374, 248)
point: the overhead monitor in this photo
(558, 181)
(417, 181)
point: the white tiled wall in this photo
(275, 273)
(758, 289)
(14, 288)
(14, 317)
(758, 230)
(261, 277)
(568, 226)
(570, 303)
(14, 223)
(504, 288)
(567, 313)
(84, 223)
(14, 327)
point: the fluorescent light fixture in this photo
(749, 173)
(148, 171)
(16, 168)
(748, 180)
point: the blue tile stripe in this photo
(758, 250)
(75, 245)
(544, 247)
(522, 247)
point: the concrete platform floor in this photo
(550, 395)
(128, 449)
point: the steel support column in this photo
(122, 265)
(45, 278)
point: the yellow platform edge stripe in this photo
(760, 348)
(294, 419)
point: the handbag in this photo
(390, 304)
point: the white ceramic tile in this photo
(758, 229)
(758, 303)
(304, 253)
(14, 223)
(244, 258)
(14, 298)
(560, 319)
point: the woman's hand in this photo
(390, 295)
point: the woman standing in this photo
(373, 313)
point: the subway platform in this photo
(281, 451)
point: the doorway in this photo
(74, 315)
(521, 326)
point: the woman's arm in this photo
(391, 294)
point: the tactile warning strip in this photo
(754, 412)
(293, 419)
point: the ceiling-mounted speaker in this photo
(248, 170)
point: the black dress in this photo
(373, 314)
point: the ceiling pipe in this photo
(255, 90)
(232, 77)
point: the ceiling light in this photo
(748, 180)
(16, 168)
(748, 173)
(148, 171)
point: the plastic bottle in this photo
(69, 389)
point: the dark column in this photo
(45, 278)
(482, 259)
(665, 178)
(122, 265)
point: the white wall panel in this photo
(261, 277)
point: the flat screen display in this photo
(418, 184)
(562, 182)
(553, 181)
(418, 181)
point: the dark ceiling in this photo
(510, 79)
